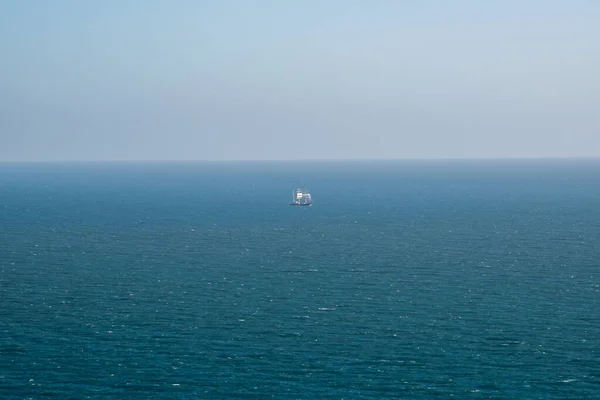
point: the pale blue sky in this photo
(226, 79)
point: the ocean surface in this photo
(412, 279)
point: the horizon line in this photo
(199, 161)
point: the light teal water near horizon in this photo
(406, 279)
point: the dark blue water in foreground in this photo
(416, 280)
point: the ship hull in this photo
(301, 204)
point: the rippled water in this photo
(476, 280)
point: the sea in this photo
(472, 279)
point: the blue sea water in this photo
(416, 280)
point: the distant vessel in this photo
(301, 197)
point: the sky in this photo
(125, 80)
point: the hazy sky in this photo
(290, 79)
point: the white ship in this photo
(301, 197)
